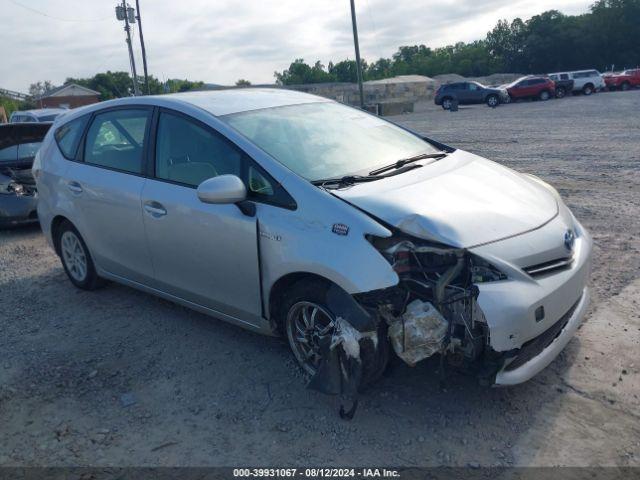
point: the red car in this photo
(542, 88)
(624, 80)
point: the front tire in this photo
(76, 259)
(544, 95)
(625, 86)
(587, 89)
(493, 101)
(307, 319)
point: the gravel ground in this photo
(118, 377)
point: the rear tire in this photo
(587, 89)
(625, 86)
(76, 259)
(560, 92)
(446, 103)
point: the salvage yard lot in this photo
(118, 377)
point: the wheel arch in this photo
(280, 287)
(56, 222)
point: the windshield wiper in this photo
(405, 161)
(346, 180)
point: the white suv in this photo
(585, 81)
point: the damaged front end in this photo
(18, 196)
(432, 310)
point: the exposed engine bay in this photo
(17, 181)
(432, 310)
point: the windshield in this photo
(48, 118)
(327, 140)
(515, 82)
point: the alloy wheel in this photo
(74, 256)
(307, 325)
(446, 103)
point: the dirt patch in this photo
(118, 377)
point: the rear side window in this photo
(68, 136)
(116, 140)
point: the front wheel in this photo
(587, 89)
(544, 95)
(625, 86)
(493, 101)
(309, 322)
(76, 259)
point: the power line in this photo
(39, 12)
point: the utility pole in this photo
(126, 13)
(357, 45)
(144, 52)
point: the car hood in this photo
(462, 200)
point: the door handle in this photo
(155, 209)
(74, 187)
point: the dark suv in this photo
(467, 93)
(541, 88)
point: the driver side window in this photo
(187, 153)
(116, 139)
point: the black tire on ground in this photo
(560, 92)
(315, 292)
(493, 101)
(544, 95)
(625, 86)
(446, 103)
(75, 257)
(587, 89)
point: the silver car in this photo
(290, 214)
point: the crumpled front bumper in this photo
(534, 365)
(18, 209)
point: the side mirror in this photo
(222, 189)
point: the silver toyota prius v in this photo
(290, 214)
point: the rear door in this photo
(203, 253)
(105, 187)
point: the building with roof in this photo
(68, 96)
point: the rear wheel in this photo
(446, 103)
(493, 101)
(76, 259)
(625, 86)
(544, 95)
(560, 92)
(587, 89)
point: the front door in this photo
(203, 253)
(105, 190)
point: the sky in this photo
(221, 41)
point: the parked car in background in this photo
(291, 214)
(585, 81)
(19, 144)
(623, 80)
(563, 83)
(38, 115)
(466, 93)
(531, 86)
